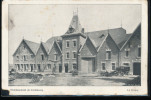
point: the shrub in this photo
(36, 78)
(74, 72)
(104, 73)
(135, 81)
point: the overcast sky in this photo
(36, 22)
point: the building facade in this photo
(88, 52)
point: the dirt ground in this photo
(73, 81)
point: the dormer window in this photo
(101, 36)
(71, 30)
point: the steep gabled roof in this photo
(50, 42)
(136, 31)
(57, 38)
(31, 45)
(74, 25)
(124, 40)
(46, 46)
(117, 34)
(97, 37)
(88, 39)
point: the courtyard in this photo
(53, 80)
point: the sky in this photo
(40, 22)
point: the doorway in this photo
(60, 68)
(31, 65)
(66, 68)
(39, 68)
(137, 68)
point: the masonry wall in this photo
(23, 50)
(70, 49)
(51, 58)
(88, 51)
(132, 46)
(39, 61)
(101, 56)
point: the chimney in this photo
(82, 30)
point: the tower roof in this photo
(75, 26)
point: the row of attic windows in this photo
(138, 52)
(24, 57)
(27, 57)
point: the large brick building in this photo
(88, 52)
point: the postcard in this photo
(75, 47)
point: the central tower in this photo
(71, 42)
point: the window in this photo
(74, 54)
(67, 55)
(24, 47)
(71, 30)
(139, 51)
(127, 53)
(67, 44)
(113, 66)
(17, 57)
(55, 57)
(32, 56)
(74, 66)
(49, 66)
(103, 66)
(108, 55)
(42, 57)
(24, 57)
(129, 45)
(74, 43)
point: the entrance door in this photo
(87, 65)
(66, 68)
(60, 68)
(39, 67)
(31, 67)
(24, 67)
(137, 68)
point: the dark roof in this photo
(136, 32)
(124, 40)
(57, 38)
(32, 45)
(50, 41)
(47, 46)
(117, 34)
(75, 26)
(86, 40)
(97, 37)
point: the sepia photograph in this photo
(75, 45)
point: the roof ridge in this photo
(105, 30)
(31, 41)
